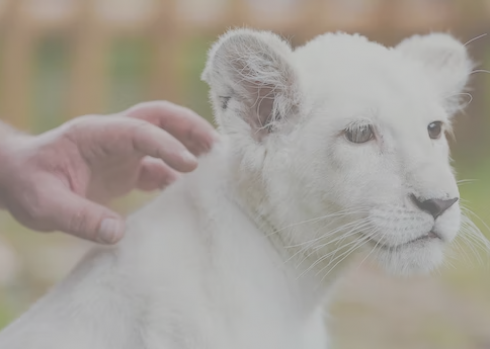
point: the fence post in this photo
(88, 81)
(167, 38)
(16, 68)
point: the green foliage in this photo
(194, 60)
(51, 66)
(128, 65)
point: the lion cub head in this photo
(340, 145)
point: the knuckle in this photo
(141, 132)
(151, 105)
(164, 104)
(80, 223)
(81, 122)
(134, 109)
(167, 109)
(144, 105)
(192, 133)
(76, 127)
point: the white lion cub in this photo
(329, 149)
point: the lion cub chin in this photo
(328, 150)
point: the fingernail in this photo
(201, 147)
(215, 138)
(109, 231)
(188, 157)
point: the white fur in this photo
(243, 252)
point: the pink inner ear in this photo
(253, 68)
(261, 109)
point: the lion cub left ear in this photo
(445, 61)
(254, 86)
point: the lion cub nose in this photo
(435, 207)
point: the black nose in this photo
(435, 207)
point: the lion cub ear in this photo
(444, 59)
(254, 86)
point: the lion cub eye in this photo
(359, 134)
(435, 129)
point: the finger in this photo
(154, 174)
(184, 124)
(157, 143)
(80, 217)
(125, 137)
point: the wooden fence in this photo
(91, 25)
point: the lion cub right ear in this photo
(254, 87)
(444, 60)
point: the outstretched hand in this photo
(60, 180)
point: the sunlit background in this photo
(64, 58)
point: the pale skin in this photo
(62, 179)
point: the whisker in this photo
(472, 236)
(475, 38)
(349, 233)
(353, 231)
(323, 236)
(480, 71)
(466, 181)
(312, 220)
(372, 250)
(360, 243)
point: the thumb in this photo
(87, 220)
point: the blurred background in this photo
(64, 58)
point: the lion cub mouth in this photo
(431, 235)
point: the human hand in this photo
(53, 181)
